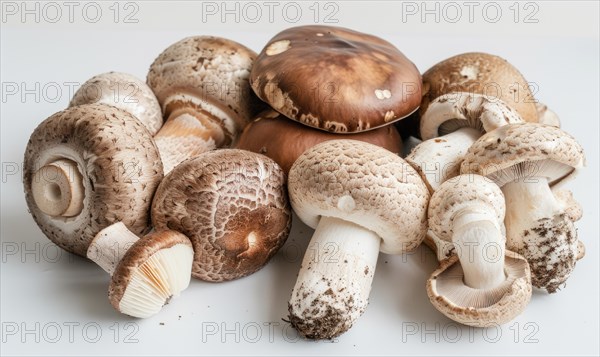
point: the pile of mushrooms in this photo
(188, 174)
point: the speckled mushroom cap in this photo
(458, 193)
(119, 165)
(452, 111)
(362, 82)
(364, 184)
(283, 140)
(480, 308)
(135, 265)
(512, 146)
(480, 73)
(123, 91)
(233, 206)
(212, 74)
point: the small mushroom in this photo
(87, 167)
(526, 161)
(233, 206)
(361, 199)
(202, 85)
(480, 285)
(146, 272)
(547, 116)
(449, 126)
(480, 73)
(123, 91)
(336, 79)
(283, 140)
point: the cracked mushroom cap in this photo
(480, 307)
(364, 184)
(155, 268)
(113, 162)
(233, 206)
(123, 91)
(362, 82)
(210, 74)
(480, 73)
(461, 192)
(284, 140)
(525, 149)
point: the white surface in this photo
(56, 304)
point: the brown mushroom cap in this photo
(336, 79)
(477, 307)
(135, 260)
(480, 73)
(283, 140)
(210, 73)
(233, 206)
(119, 165)
(123, 91)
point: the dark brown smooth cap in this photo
(336, 79)
(284, 140)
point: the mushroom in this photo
(336, 79)
(526, 161)
(233, 206)
(146, 272)
(123, 91)
(480, 73)
(87, 167)
(547, 116)
(449, 126)
(361, 199)
(482, 284)
(283, 140)
(202, 85)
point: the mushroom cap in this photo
(480, 73)
(456, 110)
(233, 206)
(336, 79)
(476, 307)
(507, 151)
(212, 74)
(283, 140)
(119, 165)
(547, 116)
(146, 279)
(364, 184)
(458, 193)
(123, 91)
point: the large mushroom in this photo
(87, 167)
(482, 284)
(527, 161)
(336, 79)
(284, 140)
(123, 91)
(233, 206)
(146, 272)
(361, 199)
(202, 85)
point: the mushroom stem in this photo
(480, 248)
(333, 286)
(538, 228)
(110, 245)
(439, 159)
(57, 188)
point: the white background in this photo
(55, 304)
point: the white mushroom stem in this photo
(439, 159)
(480, 247)
(110, 245)
(528, 200)
(335, 278)
(57, 188)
